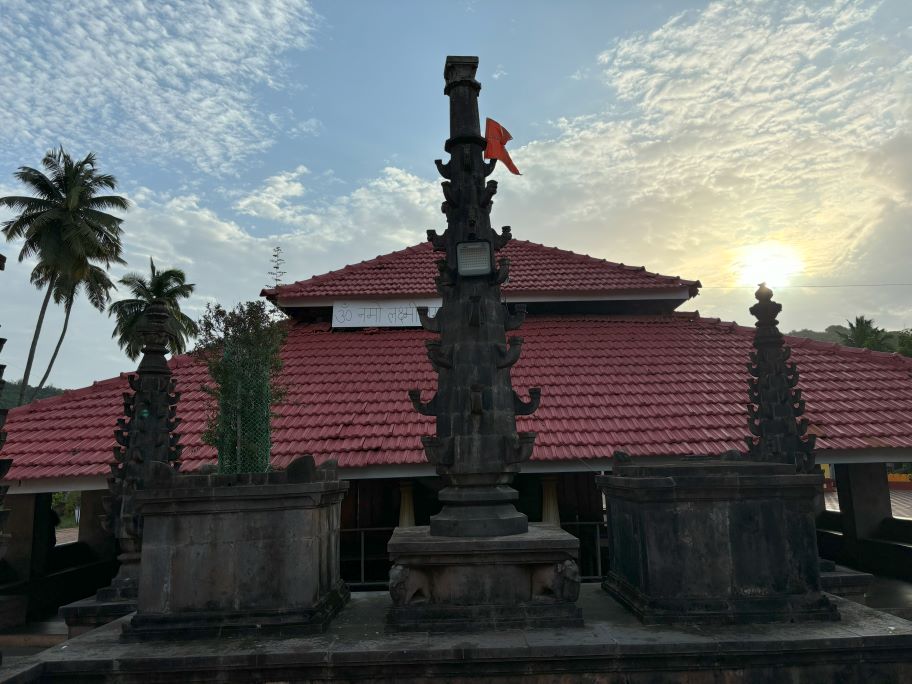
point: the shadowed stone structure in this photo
(479, 563)
(725, 539)
(12, 608)
(240, 553)
(776, 406)
(145, 437)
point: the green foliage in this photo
(241, 348)
(863, 333)
(170, 286)
(65, 503)
(904, 342)
(11, 391)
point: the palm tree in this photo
(63, 224)
(97, 286)
(863, 333)
(170, 286)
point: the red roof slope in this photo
(653, 385)
(534, 268)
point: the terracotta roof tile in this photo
(652, 385)
(534, 268)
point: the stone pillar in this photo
(91, 522)
(550, 510)
(406, 505)
(478, 565)
(21, 526)
(42, 531)
(864, 499)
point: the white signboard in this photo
(388, 313)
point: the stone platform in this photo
(470, 583)
(864, 647)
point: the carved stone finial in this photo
(147, 442)
(775, 410)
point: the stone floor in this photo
(612, 647)
(901, 500)
(66, 535)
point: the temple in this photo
(624, 364)
(483, 482)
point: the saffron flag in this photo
(497, 137)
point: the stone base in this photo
(471, 583)
(201, 624)
(866, 647)
(88, 614)
(711, 541)
(748, 610)
(845, 582)
(240, 553)
(13, 610)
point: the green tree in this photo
(241, 349)
(63, 224)
(84, 276)
(904, 342)
(863, 333)
(170, 286)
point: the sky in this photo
(730, 141)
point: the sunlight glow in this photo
(771, 262)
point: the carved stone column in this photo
(479, 563)
(145, 436)
(776, 407)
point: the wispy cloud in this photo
(395, 206)
(171, 79)
(499, 72)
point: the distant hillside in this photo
(11, 392)
(831, 334)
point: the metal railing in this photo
(365, 563)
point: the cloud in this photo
(311, 127)
(173, 80)
(739, 125)
(499, 72)
(396, 206)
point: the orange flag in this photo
(497, 137)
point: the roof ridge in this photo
(266, 292)
(617, 264)
(66, 394)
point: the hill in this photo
(11, 392)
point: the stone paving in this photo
(612, 646)
(900, 499)
(67, 535)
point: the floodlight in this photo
(474, 258)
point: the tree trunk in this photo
(34, 347)
(66, 321)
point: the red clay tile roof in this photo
(652, 385)
(534, 268)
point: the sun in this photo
(771, 262)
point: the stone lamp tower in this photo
(479, 562)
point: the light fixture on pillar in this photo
(474, 258)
